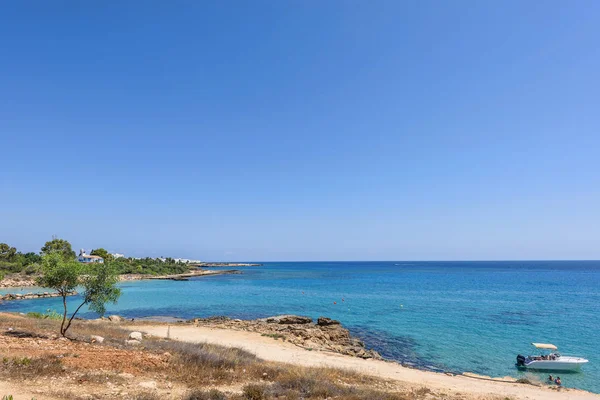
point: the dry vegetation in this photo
(32, 353)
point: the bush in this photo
(255, 392)
(212, 394)
(49, 314)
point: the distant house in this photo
(86, 258)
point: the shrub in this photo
(255, 392)
(212, 394)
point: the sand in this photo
(275, 350)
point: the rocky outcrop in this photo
(28, 296)
(289, 319)
(326, 335)
(324, 321)
(17, 280)
(115, 318)
(135, 336)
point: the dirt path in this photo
(274, 350)
(20, 393)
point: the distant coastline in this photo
(19, 281)
(225, 264)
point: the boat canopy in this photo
(545, 346)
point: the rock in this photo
(289, 319)
(115, 318)
(133, 342)
(324, 321)
(96, 339)
(148, 384)
(136, 336)
(126, 375)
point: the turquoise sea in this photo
(450, 316)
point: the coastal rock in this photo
(289, 319)
(115, 318)
(324, 321)
(96, 339)
(326, 335)
(136, 336)
(27, 296)
(17, 280)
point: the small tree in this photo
(97, 282)
(7, 253)
(61, 246)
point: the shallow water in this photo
(452, 316)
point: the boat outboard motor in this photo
(520, 361)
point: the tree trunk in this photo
(73, 316)
(62, 325)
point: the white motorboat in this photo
(551, 361)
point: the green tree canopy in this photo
(60, 246)
(32, 258)
(7, 253)
(97, 282)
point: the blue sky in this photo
(303, 130)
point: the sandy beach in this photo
(273, 350)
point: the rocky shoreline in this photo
(324, 335)
(176, 277)
(28, 296)
(18, 281)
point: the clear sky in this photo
(302, 130)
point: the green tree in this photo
(102, 253)
(32, 258)
(7, 253)
(97, 283)
(61, 246)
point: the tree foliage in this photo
(97, 283)
(102, 253)
(13, 261)
(60, 246)
(149, 266)
(7, 253)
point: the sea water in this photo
(442, 316)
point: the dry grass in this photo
(190, 365)
(309, 389)
(212, 394)
(24, 367)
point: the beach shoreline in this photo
(270, 349)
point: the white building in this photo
(87, 258)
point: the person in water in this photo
(550, 378)
(557, 381)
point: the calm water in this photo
(453, 316)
